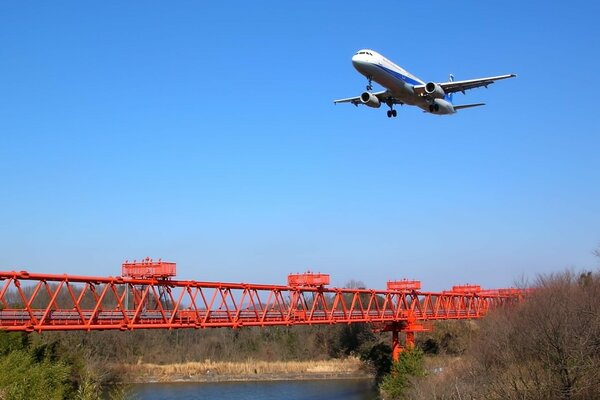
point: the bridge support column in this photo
(409, 328)
(396, 346)
(396, 328)
(410, 339)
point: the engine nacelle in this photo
(369, 99)
(440, 106)
(434, 90)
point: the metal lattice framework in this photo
(45, 302)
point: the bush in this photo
(33, 367)
(23, 377)
(546, 347)
(397, 383)
(378, 358)
(450, 337)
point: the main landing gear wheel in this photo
(390, 103)
(434, 108)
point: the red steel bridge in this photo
(146, 296)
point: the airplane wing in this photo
(461, 86)
(382, 96)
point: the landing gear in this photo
(433, 108)
(391, 112)
(370, 85)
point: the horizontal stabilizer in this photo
(460, 107)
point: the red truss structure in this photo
(46, 302)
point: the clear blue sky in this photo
(205, 133)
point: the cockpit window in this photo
(365, 52)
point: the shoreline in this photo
(251, 378)
(245, 371)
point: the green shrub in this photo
(396, 384)
(36, 367)
(24, 378)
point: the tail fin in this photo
(448, 97)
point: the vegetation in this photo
(294, 343)
(34, 368)
(547, 347)
(249, 369)
(401, 378)
(450, 338)
(378, 358)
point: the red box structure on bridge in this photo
(466, 289)
(308, 279)
(404, 285)
(148, 268)
(489, 292)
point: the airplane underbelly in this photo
(397, 86)
(388, 81)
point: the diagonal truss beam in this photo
(46, 302)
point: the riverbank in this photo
(249, 370)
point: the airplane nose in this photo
(360, 63)
(358, 60)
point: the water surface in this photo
(351, 389)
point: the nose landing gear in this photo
(370, 85)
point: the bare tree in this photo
(547, 347)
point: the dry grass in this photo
(211, 370)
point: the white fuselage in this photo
(391, 76)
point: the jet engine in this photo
(434, 90)
(439, 106)
(369, 99)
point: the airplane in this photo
(402, 87)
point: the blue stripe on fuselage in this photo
(400, 76)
